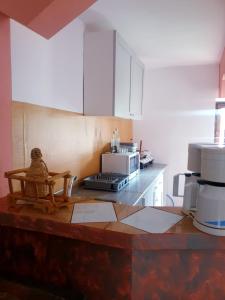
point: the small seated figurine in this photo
(39, 171)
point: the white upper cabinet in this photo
(113, 77)
(136, 94)
(122, 81)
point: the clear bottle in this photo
(113, 143)
(117, 140)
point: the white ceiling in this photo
(165, 32)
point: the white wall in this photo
(178, 109)
(48, 72)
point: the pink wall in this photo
(45, 17)
(57, 15)
(5, 103)
(222, 75)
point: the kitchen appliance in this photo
(146, 159)
(121, 163)
(106, 181)
(128, 147)
(210, 214)
(207, 189)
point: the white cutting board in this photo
(93, 212)
(152, 220)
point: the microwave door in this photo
(134, 164)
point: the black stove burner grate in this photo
(106, 181)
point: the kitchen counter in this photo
(111, 260)
(129, 195)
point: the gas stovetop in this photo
(106, 181)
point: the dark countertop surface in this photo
(129, 195)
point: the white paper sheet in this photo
(152, 220)
(93, 212)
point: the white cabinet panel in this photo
(148, 196)
(122, 81)
(158, 191)
(99, 73)
(137, 73)
(154, 194)
(111, 87)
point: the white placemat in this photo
(152, 220)
(93, 212)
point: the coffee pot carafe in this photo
(210, 211)
(210, 215)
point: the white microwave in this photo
(123, 163)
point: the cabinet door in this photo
(158, 191)
(154, 194)
(141, 202)
(99, 73)
(148, 196)
(136, 97)
(122, 81)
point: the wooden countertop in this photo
(182, 235)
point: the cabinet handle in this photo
(142, 201)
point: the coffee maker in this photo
(210, 208)
(204, 193)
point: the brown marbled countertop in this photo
(182, 236)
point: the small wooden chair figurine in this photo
(37, 185)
